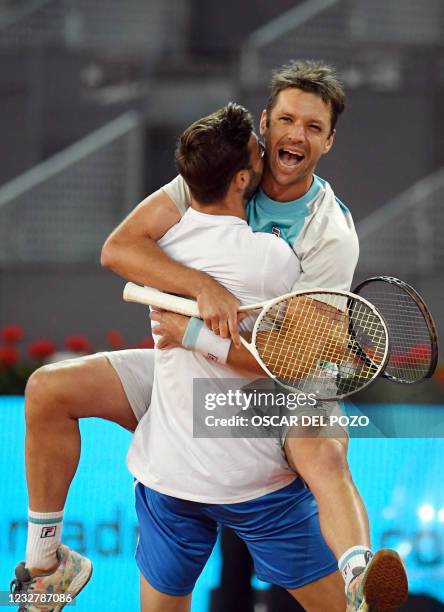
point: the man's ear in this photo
(241, 179)
(329, 142)
(263, 123)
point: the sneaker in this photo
(71, 575)
(381, 587)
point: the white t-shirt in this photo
(163, 454)
(317, 226)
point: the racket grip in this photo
(154, 297)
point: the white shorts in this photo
(135, 368)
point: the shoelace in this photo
(18, 587)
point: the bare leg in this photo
(56, 397)
(152, 600)
(324, 594)
(322, 463)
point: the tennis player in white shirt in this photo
(188, 486)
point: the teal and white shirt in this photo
(317, 226)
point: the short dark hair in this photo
(213, 149)
(313, 77)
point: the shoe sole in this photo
(386, 586)
(77, 585)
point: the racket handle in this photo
(154, 297)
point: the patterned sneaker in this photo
(57, 589)
(382, 586)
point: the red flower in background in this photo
(10, 334)
(40, 349)
(147, 342)
(115, 339)
(398, 360)
(78, 344)
(421, 353)
(9, 355)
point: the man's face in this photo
(297, 135)
(256, 166)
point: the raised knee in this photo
(43, 393)
(318, 460)
(332, 458)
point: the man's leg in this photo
(327, 593)
(152, 600)
(56, 397)
(322, 463)
(283, 535)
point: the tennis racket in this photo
(302, 339)
(412, 332)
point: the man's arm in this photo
(242, 359)
(131, 251)
(171, 327)
(331, 339)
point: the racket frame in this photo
(346, 294)
(428, 319)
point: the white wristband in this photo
(199, 338)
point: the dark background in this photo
(69, 68)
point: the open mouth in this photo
(290, 158)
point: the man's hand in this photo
(170, 327)
(218, 308)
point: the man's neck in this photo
(232, 207)
(285, 193)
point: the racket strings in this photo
(305, 343)
(411, 343)
(304, 351)
(282, 347)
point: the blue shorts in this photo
(281, 530)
